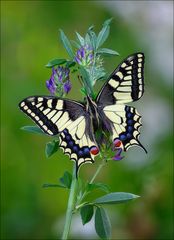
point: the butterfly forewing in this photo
(66, 118)
(126, 83)
(44, 111)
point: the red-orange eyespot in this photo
(94, 151)
(117, 143)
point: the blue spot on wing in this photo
(82, 152)
(129, 135)
(122, 137)
(130, 128)
(130, 122)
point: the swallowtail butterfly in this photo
(76, 123)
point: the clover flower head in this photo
(59, 81)
(85, 56)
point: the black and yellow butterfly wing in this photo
(66, 118)
(125, 123)
(126, 84)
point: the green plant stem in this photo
(71, 204)
(97, 172)
(93, 178)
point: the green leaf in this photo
(101, 186)
(104, 33)
(80, 39)
(51, 148)
(80, 189)
(93, 39)
(86, 213)
(66, 44)
(55, 62)
(90, 28)
(107, 52)
(75, 44)
(115, 198)
(70, 64)
(47, 185)
(87, 40)
(66, 179)
(33, 129)
(74, 70)
(86, 79)
(107, 22)
(104, 77)
(83, 91)
(102, 223)
(95, 94)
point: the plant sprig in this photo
(85, 57)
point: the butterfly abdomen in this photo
(93, 113)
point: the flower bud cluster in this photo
(59, 82)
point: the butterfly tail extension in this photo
(140, 144)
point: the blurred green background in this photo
(29, 31)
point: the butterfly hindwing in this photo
(76, 141)
(125, 123)
(66, 118)
(126, 83)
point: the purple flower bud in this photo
(77, 60)
(118, 155)
(59, 68)
(67, 71)
(84, 55)
(51, 85)
(67, 86)
(79, 53)
(88, 47)
(53, 71)
(59, 77)
(91, 56)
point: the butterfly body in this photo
(76, 123)
(93, 112)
